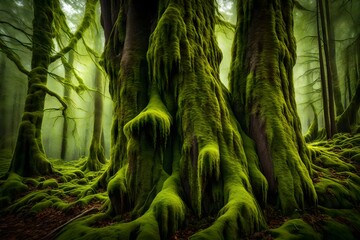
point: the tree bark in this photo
(96, 154)
(29, 156)
(329, 73)
(332, 59)
(324, 85)
(67, 91)
(261, 83)
(176, 145)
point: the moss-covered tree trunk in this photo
(176, 146)
(29, 157)
(261, 82)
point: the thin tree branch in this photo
(13, 57)
(89, 13)
(53, 94)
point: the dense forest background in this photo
(77, 182)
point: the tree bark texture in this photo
(262, 88)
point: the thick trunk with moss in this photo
(264, 102)
(176, 146)
(29, 156)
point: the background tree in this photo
(29, 156)
(96, 156)
(68, 65)
(15, 37)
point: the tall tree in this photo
(29, 156)
(96, 153)
(324, 83)
(261, 84)
(329, 72)
(332, 60)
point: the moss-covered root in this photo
(313, 130)
(295, 229)
(165, 215)
(96, 158)
(240, 217)
(29, 158)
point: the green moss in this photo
(258, 181)
(335, 193)
(41, 206)
(356, 158)
(154, 118)
(12, 187)
(49, 183)
(332, 161)
(295, 229)
(335, 230)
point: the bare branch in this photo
(13, 57)
(89, 13)
(53, 94)
(25, 45)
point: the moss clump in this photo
(295, 229)
(41, 206)
(335, 230)
(49, 183)
(11, 188)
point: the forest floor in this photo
(51, 202)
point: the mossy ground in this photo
(33, 208)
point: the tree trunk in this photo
(29, 156)
(348, 118)
(261, 83)
(332, 59)
(3, 108)
(329, 73)
(324, 86)
(67, 91)
(96, 154)
(176, 146)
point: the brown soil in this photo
(37, 226)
